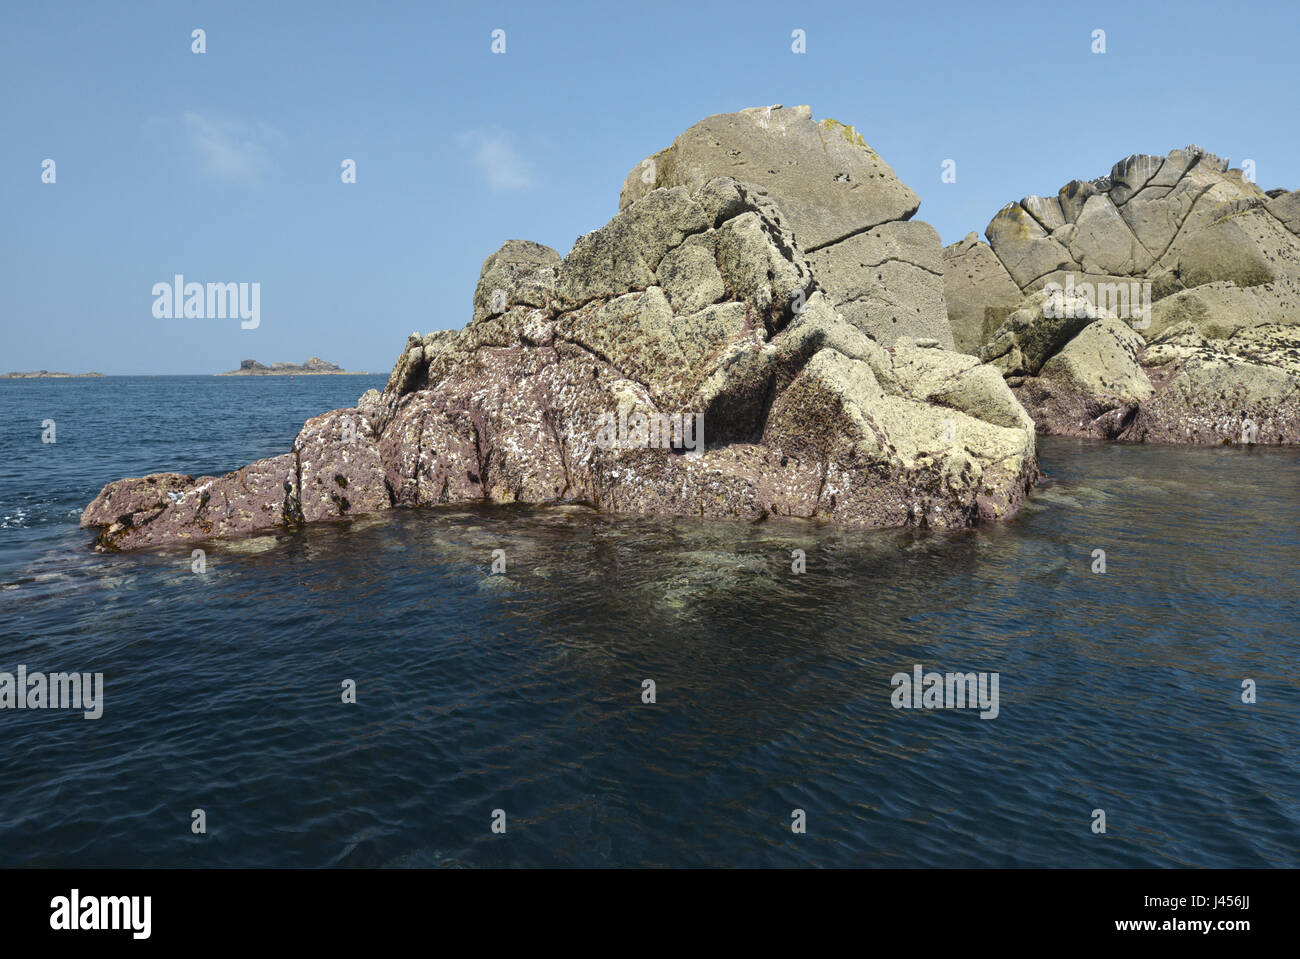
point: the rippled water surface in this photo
(522, 692)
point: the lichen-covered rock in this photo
(1101, 361)
(521, 273)
(1042, 324)
(685, 359)
(622, 256)
(1182, 387)
(1219, 309)
(1176, 243)
(831, 195)
(1215, 397)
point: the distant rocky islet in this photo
(48, 375)
(313, 366)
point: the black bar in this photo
(949, 908)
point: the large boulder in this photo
(1043, 323)
(842, 204)
(1180, 242)
(1241, 388)
(826, 181)
(685, 360)
(1101, 361)
(521, 273)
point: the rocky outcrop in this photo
(1133, 306)
(847, 211)
(684, 359)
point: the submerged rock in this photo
(685, 359)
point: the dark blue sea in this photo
(522, 691)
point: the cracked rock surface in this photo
(842, 203)
(1215, 359)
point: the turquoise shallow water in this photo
(522, 691)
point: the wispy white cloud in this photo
(229, 149)
(495, 156)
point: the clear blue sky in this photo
(225, 166)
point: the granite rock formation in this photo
(847, 211)
(684, 359)
(1160, 303)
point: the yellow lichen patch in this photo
(1232, 215)
(849, 133)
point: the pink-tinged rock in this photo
(339, 472)
(170, 508)
(128, 497)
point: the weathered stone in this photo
(888, 281)
(1219, 399)
(1040, 326)
(1130, 175)
(757, 267)
(1221, 308)
(622, 256)
(1073, 197)
(689, 274)
(1101, 362)
(820, 188)
(978, 291)
(826, 181)
(1248, 248)
(1025, 249)
(1285, 207)
(520, 273)
(1179, 242)
(1046, 210)
(338, 466)
(1103, 243)
(130, 515)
